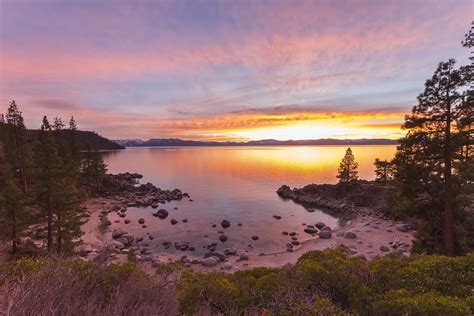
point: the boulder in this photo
(244, 257)
(173, 222)
(227, 266)
(209, 262)
(118, 244)
(276, 216)
(319, 225)
(27, 245)
(225, 224)
(350, 235)
(403, 228)
(126, 239)
(326, 228)
(127, 221)
(217, 255)
(325, 234)
(223, 238)
(230, 252)
(117, 233)
(255, 237)
(162, 213)
(141, 221)
(183, 246)
(85, 250)
(384, 248)
(310, 230)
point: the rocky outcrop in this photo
(354, 198)
(127, 187)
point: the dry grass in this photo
(66, 289)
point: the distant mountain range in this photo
(159, 142)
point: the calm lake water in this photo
(238, 184)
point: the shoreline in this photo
(371, 235)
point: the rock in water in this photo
(141, 221)
(223, 238)
(254, 237)
(173, 221)
(276, 216)
(127, 221)
(162, 213)
(225, 224)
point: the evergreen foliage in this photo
(13, 216)
(55, 175)
(384, 170)
(347, 171)
(434, 163)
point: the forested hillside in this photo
(85, 139)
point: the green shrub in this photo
(26, 265)
(324, 307)
(206, 290)
(340, 277)
(402, 302)
(447, 275)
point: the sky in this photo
(226, 70)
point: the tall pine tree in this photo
(57, 193)
(19, 151)
(430, 149)
(347, 171)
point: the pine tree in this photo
(13, 217)
(347, 171)
(18, 148)
(48, 175)
(93, 170)
(57, 193)
(384, 170)
(432, 143)
(74, 154)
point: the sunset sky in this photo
(226, 70)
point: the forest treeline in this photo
(85, 139)
(44, 177)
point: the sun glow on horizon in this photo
(306, 130)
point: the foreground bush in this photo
(321, 283)
(332, 283)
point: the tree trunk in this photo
(59, 239)
(448, 193)
(21, 162)
(50, 226)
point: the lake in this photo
(237, 184)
